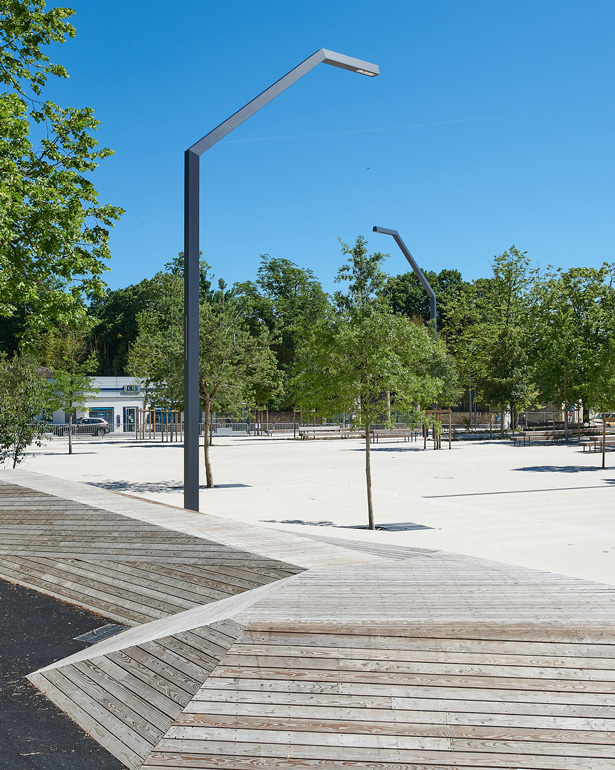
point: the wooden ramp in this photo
(349, 659)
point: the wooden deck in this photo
(332, 657)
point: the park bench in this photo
(526, 437)
(555, 436)
(323, 431)
(594, 443)
(407, 434)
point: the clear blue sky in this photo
(491, 124)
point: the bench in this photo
(554, 436)
(324, 432)
(407, 434)
(527, 436)
(594, 443)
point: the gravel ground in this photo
(36, 630)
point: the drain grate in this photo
(403, 526)
(103, 632)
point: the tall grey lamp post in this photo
(417, 271)
(191, 251)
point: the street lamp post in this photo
(191, 250)
(417, 271)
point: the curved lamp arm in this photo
(417, 271)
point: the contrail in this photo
(374, 130)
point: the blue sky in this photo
(491, 124)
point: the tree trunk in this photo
(70, 433)
(368, 476)
(502, 423)
(566, 421)
(206, 439)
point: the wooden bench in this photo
(594, 443)
(324, 432)
(527, 436)
(407, 434)
(554, 436)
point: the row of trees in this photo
(281, 342)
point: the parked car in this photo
(607, 417)
(94, 426)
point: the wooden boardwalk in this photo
(334, 656)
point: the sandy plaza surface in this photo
(542, 506)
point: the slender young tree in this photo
(65, 353)
(23, 402)
(362, 353)
(235, 362)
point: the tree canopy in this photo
(54, 232)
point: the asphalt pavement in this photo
(36, 630)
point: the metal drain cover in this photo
(103, 632)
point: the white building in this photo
(117, 402)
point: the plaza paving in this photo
(544, 507)
(252, 647)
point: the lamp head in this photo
(348, 63)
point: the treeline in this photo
(522, 336)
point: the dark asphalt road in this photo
(36, 630)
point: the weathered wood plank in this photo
(413, 756)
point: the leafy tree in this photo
(600, 391)
(22, 403)
(572, 332)
(114, 315)
(53, 231)
(362, 351)
(488, 332)
(156, 355)
(288, 300)
(65, 353)
(115, 328)
(235, 363)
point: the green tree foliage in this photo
(488, 332)
(53, 231)
(115, 328)
(114, 315)
(65, 353)
(288, 300)
(236, 363)
(572, 328)
(362, 352)
(406, 295)
(156, 355)
(22, 404)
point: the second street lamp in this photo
(417, 271)
(191, 250)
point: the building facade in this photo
(117, 401)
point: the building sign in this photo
(131, 388)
